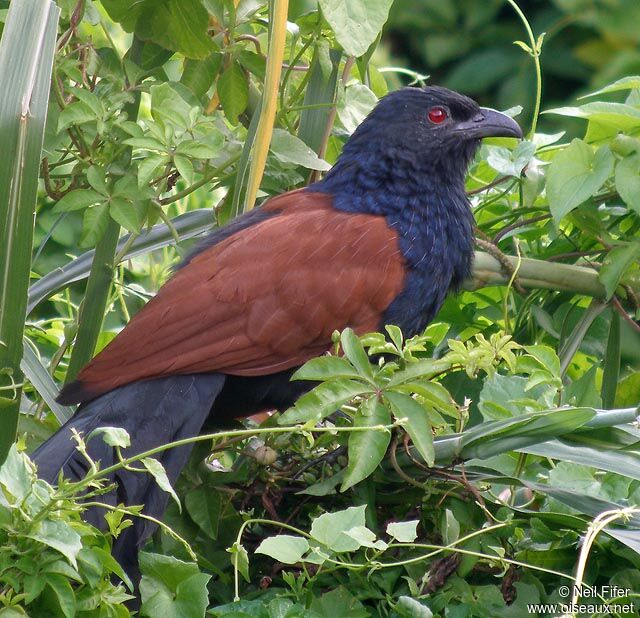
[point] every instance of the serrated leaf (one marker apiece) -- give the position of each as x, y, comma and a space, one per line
148, 168
146, 143
94, 224
78, 199
95, 176
325, 368
184, 167
75, 114
199, 149
125, 213
322, 401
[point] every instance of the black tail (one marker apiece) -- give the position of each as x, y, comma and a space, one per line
153, 412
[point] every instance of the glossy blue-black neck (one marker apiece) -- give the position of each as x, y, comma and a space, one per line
421, 194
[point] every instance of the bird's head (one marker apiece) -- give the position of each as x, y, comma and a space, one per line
431, 130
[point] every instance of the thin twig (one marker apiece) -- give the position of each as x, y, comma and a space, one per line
617, 305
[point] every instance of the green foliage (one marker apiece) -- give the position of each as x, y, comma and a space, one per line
464, 464
52, 563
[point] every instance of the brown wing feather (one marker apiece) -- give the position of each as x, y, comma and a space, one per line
263, 300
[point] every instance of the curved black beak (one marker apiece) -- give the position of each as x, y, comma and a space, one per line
489, 123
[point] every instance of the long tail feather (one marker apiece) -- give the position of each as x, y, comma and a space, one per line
153, 412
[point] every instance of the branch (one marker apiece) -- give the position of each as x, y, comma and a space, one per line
536, 274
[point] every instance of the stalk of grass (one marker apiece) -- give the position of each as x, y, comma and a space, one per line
275, 57
26, 59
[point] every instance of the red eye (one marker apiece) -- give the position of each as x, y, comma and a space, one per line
437, 115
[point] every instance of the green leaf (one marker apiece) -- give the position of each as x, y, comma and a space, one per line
156, 469
367, 448
204, 507
75, 114
172, 588
354, 351
233, 91
356, 23
605, 119
631, 82
63, 592
291, 149
60, 536
96, 178
354, 105
366, 537
94, 224
417, 423
506, 396
125, 213
199, 75
178, 25
146, 143
325, 368
78, 199
184, 167
574, 175
408, 607
240, 559
323, 400
627, 392
200, 149
628, 181
546, 356
15, 475
284, 548
168, 108
148, 167
403, 531
329, 529
113, 436
616, 264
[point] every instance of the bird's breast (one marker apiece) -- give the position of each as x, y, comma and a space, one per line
437, 244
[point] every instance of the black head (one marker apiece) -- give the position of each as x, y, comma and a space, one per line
436, 115
433, 130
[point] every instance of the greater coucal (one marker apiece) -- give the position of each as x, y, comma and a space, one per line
380, 240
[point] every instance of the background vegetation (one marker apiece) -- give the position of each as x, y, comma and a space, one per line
461, 478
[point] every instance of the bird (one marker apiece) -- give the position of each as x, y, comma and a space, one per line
380, 239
